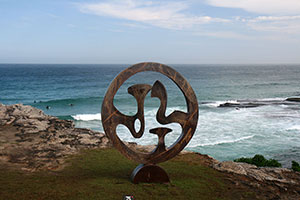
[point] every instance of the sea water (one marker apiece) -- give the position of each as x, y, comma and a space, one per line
266, 125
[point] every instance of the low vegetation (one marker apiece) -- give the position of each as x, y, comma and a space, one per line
105, 174
295, 166
259, 161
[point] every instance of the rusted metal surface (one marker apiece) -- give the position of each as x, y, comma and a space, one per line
112, 117
149, 174
161, 132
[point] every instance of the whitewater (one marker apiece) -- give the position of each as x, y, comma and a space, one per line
242, 108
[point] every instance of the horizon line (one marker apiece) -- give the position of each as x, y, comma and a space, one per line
29, 63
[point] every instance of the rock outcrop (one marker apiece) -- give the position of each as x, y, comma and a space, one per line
257, 103
36, 141
276, 183
274, 174
295, 99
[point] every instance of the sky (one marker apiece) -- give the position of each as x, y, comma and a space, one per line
132, 31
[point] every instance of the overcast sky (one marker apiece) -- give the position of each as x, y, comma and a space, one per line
131, 31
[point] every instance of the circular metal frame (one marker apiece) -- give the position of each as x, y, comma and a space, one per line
111, 117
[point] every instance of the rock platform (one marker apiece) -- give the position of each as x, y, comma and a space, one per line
34, 140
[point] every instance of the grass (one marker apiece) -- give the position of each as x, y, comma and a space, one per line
105, 174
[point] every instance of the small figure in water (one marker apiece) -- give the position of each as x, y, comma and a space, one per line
34, 101
71, 104
47, 107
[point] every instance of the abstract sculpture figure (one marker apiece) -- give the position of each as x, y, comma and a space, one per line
148, 171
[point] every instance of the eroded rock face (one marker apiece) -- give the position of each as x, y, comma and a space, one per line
281, 178
36, 141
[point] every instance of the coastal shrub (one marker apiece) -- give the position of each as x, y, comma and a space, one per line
244, 160
295, 166
259, 161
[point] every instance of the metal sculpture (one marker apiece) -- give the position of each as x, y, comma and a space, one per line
148, 171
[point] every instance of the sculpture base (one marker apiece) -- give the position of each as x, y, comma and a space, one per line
149, 174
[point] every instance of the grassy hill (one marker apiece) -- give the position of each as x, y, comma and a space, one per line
105, 174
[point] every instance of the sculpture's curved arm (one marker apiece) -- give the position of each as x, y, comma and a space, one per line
159, 91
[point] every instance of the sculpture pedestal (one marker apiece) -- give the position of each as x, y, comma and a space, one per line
149, 174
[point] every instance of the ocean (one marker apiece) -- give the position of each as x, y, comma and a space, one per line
242, 108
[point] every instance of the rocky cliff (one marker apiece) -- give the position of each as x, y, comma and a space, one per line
34, 140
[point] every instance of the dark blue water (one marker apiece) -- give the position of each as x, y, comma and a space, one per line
224, 133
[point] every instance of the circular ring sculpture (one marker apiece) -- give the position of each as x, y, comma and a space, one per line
112, 117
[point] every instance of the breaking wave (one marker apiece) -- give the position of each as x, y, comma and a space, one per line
87, 117
223, 142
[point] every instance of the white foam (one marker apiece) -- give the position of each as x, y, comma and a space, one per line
272, 99
169, 110
218, 103
87, 117
284, 106
223, 141
296, 127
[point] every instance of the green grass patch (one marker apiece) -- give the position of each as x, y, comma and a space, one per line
105, 174
295, 166
259, 161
